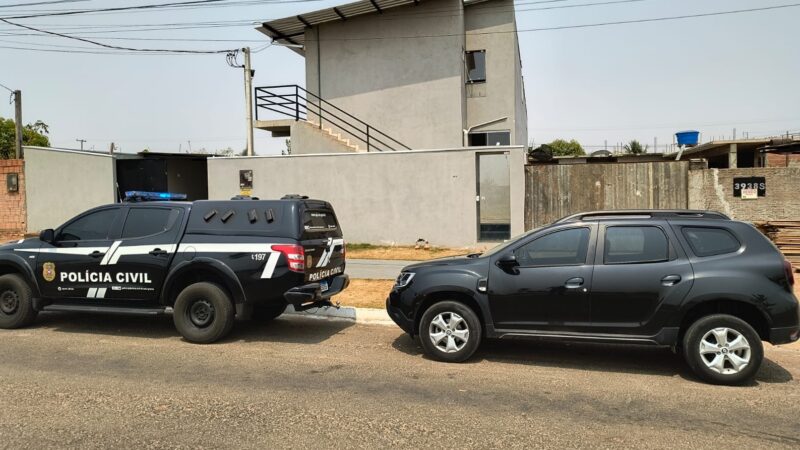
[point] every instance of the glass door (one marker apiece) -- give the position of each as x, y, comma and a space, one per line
494, 197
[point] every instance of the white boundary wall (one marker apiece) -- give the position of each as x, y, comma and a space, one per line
382, 198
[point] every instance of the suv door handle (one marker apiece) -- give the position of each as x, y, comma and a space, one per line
671, 280
158, 252
574, 283
97, 254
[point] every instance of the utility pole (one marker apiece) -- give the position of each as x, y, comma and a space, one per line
248, 95
18, 124
81, 141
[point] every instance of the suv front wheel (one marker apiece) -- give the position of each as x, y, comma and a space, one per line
450, 331
203, 313
723, 349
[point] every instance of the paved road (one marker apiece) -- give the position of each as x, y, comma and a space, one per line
376, 269
106, 381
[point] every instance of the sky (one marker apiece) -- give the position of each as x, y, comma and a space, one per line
600, 85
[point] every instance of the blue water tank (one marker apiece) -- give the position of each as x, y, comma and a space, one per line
688, 138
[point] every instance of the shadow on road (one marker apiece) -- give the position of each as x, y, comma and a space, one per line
284, 329
595, 357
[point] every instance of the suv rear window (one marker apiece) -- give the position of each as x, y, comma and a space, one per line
711, 241
318, 221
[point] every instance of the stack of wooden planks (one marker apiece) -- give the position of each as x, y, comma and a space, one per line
786, 235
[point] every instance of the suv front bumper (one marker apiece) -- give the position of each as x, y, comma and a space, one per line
311, 295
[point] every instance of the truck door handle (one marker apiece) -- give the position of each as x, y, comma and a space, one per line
574, 283
158, 252
96, 254
671, 280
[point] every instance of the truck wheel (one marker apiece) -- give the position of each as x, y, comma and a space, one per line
450, 331
723, 349
266, 313
203, 313
16, 302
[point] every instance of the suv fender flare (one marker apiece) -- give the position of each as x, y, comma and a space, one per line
424, 295
229, 278
20, 265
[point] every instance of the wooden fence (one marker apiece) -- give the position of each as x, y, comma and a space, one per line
554, 191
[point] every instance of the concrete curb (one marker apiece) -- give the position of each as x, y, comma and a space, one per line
368, 316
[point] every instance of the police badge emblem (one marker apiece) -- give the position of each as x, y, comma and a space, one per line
49, 271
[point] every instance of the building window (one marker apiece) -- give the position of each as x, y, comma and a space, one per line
489, 138
476, 66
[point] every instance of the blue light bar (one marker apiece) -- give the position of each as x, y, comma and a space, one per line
153, 196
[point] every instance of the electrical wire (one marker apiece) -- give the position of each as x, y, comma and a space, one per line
7, 88
115, 47
42, 3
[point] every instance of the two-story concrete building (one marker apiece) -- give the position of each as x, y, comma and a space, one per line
399, 74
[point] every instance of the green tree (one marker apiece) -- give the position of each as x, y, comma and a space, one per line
634, 147
562, 147
32, 134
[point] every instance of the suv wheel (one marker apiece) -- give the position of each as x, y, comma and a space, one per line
203, 313
450, 331
16, 302
266, 313
723, 349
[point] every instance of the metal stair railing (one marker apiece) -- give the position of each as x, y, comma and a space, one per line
295, 102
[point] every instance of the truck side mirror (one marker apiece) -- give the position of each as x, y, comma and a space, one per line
508, 263
47, 235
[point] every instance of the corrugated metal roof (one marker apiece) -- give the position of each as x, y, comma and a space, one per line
291, 30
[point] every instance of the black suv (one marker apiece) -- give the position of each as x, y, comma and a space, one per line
209, 261
696, 281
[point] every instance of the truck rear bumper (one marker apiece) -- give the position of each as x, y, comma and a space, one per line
311, 295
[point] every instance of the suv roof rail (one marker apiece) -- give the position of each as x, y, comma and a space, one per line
243, 197
644, 214
294, 197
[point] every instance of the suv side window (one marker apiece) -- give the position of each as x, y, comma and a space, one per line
91, 227
711, 241
635, 245
562, 248
143, 222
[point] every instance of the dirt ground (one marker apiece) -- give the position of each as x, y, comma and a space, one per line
367, 251
365, 294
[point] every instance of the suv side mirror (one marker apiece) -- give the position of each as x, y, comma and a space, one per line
508, 262
47, 235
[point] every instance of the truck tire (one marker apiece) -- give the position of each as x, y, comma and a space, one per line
203, 313
269, 312
450, 331
16, 302
723, 349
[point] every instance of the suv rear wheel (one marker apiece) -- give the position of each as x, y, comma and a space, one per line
723, 349
203, 313
16, 302
450, 331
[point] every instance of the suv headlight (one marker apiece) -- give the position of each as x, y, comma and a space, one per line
404, 279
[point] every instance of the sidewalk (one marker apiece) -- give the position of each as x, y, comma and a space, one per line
375, 269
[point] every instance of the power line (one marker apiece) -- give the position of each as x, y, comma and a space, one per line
7, 88
42, 3
114, 47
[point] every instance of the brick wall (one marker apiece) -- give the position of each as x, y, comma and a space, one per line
776, 160
12, 204
713, 189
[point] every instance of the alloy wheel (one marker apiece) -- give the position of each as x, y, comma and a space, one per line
448, 332
725, 351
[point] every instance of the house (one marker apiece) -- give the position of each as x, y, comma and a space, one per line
398, 75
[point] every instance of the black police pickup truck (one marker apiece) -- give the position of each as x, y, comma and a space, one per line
696, 281
209, 261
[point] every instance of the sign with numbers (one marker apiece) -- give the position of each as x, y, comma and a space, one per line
740, 185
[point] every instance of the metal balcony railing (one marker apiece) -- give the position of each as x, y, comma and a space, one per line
293, 101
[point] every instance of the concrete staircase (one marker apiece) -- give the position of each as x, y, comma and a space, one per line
308, 138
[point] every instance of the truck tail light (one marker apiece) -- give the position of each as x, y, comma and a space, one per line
295, 256
789, 272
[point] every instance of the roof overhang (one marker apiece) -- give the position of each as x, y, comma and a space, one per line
291, 31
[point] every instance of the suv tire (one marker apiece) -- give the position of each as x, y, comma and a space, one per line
715, 346
450, 331
203, 313
16, 302
267, 313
